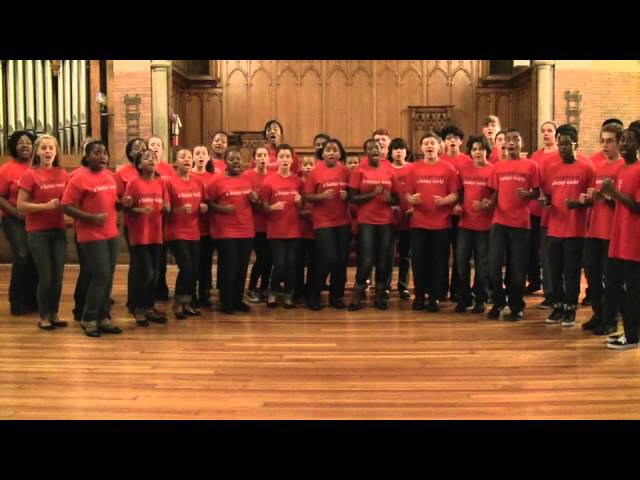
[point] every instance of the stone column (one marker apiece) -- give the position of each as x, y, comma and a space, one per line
160, 90
545, 93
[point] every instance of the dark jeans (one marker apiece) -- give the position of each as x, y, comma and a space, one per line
145, 265
82, 282
332, 248
374, 243
547, 281
476, 243
450, 283
533, 273
428, 259
233, 262
565, 258
23, 285
261, 269
100, 257
285, 253
187, 254
49, 251
205, 266
627, 273
595, 265
401, 243
162, 288
516, 240
306, 262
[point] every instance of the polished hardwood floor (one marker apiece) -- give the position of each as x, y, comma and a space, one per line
297, 364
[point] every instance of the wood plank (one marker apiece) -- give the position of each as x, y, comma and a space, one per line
297, 364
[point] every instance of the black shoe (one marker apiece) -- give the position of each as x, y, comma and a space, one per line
142, 322
227, 310
478, 308
404, 294
461, 308
605, 329
556, 315
418, 304
532, 288
155, 317
191, 312
495, 313
546, 304
587, 302
314, 306
593, 322
433, 306
107, 327
569, 318
337, 303
90, 329
515, 316
242, 307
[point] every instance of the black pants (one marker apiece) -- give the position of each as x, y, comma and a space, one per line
547, 281
516, 240
82, 282
627, 273
261, 269
23, 285
130, 282
450, 284
205, 266
473, 243
332, 248
285, 253
162, 288
306, 264
595, 266
534, 271
233, 262
401, 244
374, 243
428, 259
145, 267
100, 259
187, 254
49, 251
565, 259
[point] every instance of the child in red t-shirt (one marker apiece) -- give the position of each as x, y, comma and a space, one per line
41, 189
187, 196
261, 269
144, 201
308, 257
91, 199
281, 196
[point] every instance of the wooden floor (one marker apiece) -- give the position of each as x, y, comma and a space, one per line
297, 364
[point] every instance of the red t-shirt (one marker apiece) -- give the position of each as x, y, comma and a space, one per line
228, 190
365, 179
601, 214
495, 155
567, 181
203, 219
123, 176
353, 216
400, 217
458, 162
259, 217
219, 166
146, 228
10, 174
475, 183
364, 161
283, 223
165, 170
93, 192
43, 185
430, 180
182, 225
507, 177
540, 157
332, 212
598, 158
624, 242
272, 163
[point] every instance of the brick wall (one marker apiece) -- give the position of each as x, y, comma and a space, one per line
605, 94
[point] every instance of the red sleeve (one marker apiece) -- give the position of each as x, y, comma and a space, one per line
73, 193
410, 184
636, 196
265, 192
454, 182
120, 187
130, 191
309, 184
203, 193
355, 179
493, 180
4, 184
165, 194
27, 181
169, 189
535, 176
395, 186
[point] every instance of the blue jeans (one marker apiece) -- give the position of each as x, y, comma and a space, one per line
476, 243
23, 284
49, 251
516, 241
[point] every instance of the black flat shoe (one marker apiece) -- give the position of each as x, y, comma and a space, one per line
45, 326
192, 312
242, 307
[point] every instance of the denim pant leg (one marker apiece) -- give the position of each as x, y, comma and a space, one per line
497, 249
463, 254
519, 247
22, 290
